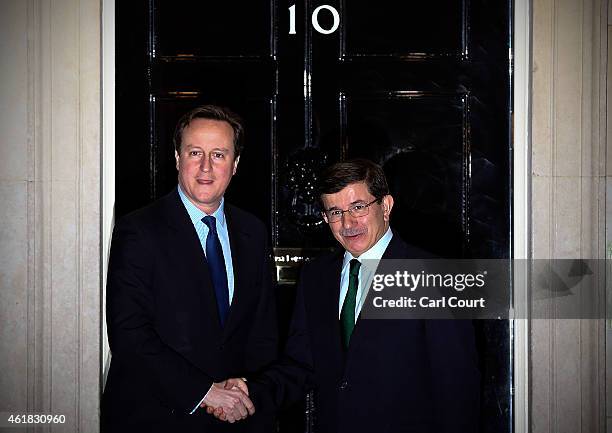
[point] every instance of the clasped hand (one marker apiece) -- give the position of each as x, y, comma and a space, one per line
229, 400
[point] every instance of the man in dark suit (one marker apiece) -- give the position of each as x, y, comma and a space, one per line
189, 295
369, 375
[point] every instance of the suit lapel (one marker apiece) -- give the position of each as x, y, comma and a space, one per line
239, 244
329, 294
395, 249
186, 244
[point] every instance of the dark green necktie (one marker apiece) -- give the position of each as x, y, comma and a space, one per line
347, 315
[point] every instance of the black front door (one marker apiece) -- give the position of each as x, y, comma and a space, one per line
423, 88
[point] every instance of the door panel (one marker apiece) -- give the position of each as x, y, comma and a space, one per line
394, 29
212, 29
423, 143
423, 88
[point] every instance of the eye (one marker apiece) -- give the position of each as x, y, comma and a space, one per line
195, 153
359, 207
334, 212
219, 155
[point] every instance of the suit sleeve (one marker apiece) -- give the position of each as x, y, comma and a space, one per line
455, 376
263, 338
131, 322
286, 381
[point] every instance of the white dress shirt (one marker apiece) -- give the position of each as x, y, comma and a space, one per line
366, 271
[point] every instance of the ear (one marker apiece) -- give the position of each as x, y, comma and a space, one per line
176, 156
387, 203
236, 164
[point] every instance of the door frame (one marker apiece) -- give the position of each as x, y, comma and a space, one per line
521, 206
108, 164
521, 187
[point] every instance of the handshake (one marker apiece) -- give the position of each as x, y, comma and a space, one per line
229, 400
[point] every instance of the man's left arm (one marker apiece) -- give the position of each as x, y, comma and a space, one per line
455, 375
263, 339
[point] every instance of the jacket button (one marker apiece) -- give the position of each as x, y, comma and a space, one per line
343, 384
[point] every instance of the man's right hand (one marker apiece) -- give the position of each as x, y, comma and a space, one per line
228, 402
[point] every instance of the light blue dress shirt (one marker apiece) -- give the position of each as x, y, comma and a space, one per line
196, 216
366, 271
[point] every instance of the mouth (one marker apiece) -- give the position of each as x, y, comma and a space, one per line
204, 181
353, 235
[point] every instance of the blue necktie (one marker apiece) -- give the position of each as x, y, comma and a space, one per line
216, 265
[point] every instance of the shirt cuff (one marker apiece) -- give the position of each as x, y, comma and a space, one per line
201, 401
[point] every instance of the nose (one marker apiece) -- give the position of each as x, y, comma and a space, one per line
348, 220
205, 164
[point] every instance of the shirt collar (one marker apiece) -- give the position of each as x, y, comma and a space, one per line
196, 215
374, 253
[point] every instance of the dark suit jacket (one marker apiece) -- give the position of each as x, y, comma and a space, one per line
397, 375
167, 344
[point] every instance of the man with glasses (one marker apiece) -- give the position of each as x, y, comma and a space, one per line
369, 375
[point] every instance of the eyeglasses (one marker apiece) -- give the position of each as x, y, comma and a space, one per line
356, 211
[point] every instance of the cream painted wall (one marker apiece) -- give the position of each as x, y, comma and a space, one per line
609, 223
50, 193
569, 61
15, 192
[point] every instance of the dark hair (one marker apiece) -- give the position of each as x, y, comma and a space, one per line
338, 176
212, 112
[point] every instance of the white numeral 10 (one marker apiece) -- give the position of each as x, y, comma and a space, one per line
315, 20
